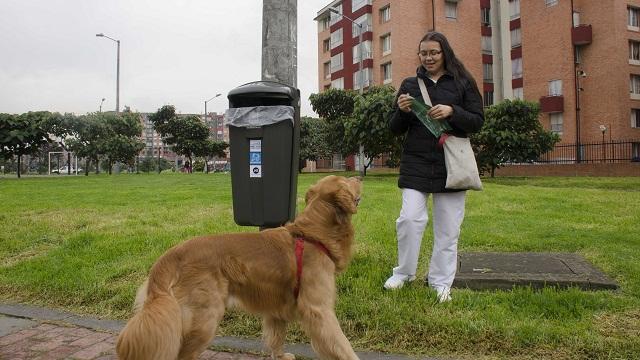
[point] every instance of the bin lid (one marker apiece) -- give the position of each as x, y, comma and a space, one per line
257, 116
262, 88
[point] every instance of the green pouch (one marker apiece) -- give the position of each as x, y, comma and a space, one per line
436, 127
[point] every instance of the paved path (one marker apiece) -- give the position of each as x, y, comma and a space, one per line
30, 333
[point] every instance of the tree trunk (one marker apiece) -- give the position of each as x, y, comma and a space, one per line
19, 166
87, 163
97, 165
493, 172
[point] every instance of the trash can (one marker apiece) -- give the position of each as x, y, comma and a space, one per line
264, 136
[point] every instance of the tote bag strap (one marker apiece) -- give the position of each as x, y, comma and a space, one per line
425, 93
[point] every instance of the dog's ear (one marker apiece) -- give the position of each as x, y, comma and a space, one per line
345, 199
311, 193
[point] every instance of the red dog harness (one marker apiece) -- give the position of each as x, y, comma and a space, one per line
299, 251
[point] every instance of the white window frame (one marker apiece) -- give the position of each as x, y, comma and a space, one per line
633, 18
487, 98
518, 93
634, 86
487, 44
336, 38
387, 72
385, 44
451, 10
327, 69
550, 3
337, 83
357, 4
356, 78
635, 118
555, 87
324, 23
365, 21
336, 17
516, 37
485, 16
385, 14
634, 52
326, 45
514, 9
367, 51
487, 72
556, 123
337, 62
516, 68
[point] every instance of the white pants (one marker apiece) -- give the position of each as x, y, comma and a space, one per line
448, 213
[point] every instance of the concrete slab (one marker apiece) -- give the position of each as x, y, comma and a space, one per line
485, 270
9, 325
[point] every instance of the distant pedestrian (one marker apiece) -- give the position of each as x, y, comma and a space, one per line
456, 100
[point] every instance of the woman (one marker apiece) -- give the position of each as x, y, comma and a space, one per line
456, 100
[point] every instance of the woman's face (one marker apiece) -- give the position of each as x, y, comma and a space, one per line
431, 56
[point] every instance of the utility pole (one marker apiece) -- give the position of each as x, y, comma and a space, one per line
279, 41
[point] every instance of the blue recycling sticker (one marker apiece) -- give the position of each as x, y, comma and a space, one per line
255, 158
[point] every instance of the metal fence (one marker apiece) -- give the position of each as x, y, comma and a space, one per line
616, 151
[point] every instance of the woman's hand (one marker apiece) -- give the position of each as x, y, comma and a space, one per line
440, 112
404, 102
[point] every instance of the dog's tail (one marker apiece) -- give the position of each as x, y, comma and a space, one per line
155, 331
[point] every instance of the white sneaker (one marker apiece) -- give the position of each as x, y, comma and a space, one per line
444, 294
396, 281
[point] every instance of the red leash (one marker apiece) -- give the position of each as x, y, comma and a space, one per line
299, 252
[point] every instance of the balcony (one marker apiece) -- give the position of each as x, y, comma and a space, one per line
581, 35
552, 104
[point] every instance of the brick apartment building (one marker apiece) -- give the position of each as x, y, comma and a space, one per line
580, 59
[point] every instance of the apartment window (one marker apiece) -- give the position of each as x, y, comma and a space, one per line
488, 98
386, 44
451, 10
516, 39
357, 4
385, 14
386, 73
327, 70
514, 9
486, 44
336, 62
487, 72
516, 68
367, 78
485, 18
326, 45
366, 53
555, 122
336, 17
336, 38
635, 150
324, 23
337, 83
551, 2
635, 118
555, 88
634, 86
632, 18
634, 52
365, 21
518, 93
576, 18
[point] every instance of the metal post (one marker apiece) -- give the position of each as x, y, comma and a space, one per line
118, 81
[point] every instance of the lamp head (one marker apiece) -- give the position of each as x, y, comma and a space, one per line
100, 35
582, 74
603, 128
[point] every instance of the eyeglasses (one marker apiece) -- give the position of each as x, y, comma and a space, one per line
430, 53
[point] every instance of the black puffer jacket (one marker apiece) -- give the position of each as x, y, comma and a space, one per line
422, 165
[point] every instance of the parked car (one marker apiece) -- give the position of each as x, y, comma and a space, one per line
64, 170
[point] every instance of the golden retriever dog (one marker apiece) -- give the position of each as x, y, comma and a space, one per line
283, 274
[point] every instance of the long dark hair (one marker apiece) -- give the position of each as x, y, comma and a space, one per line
461, 75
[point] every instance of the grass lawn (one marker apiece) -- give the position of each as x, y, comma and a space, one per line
84, 244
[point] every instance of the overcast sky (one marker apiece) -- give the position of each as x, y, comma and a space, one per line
178, 52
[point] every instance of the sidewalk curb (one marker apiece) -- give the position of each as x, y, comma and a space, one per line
233, 344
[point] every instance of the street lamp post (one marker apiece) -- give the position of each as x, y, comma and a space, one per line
603, 129
101, 104
117, 72
360, 76
206, 163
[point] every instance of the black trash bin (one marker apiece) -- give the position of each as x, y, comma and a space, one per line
264, 135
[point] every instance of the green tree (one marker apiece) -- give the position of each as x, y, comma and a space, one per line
335, 106
188, 135
122, 142
511, 132
370, 125
89, 133
22, 134
314, 140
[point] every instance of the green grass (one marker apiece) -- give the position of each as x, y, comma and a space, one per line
84, 244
